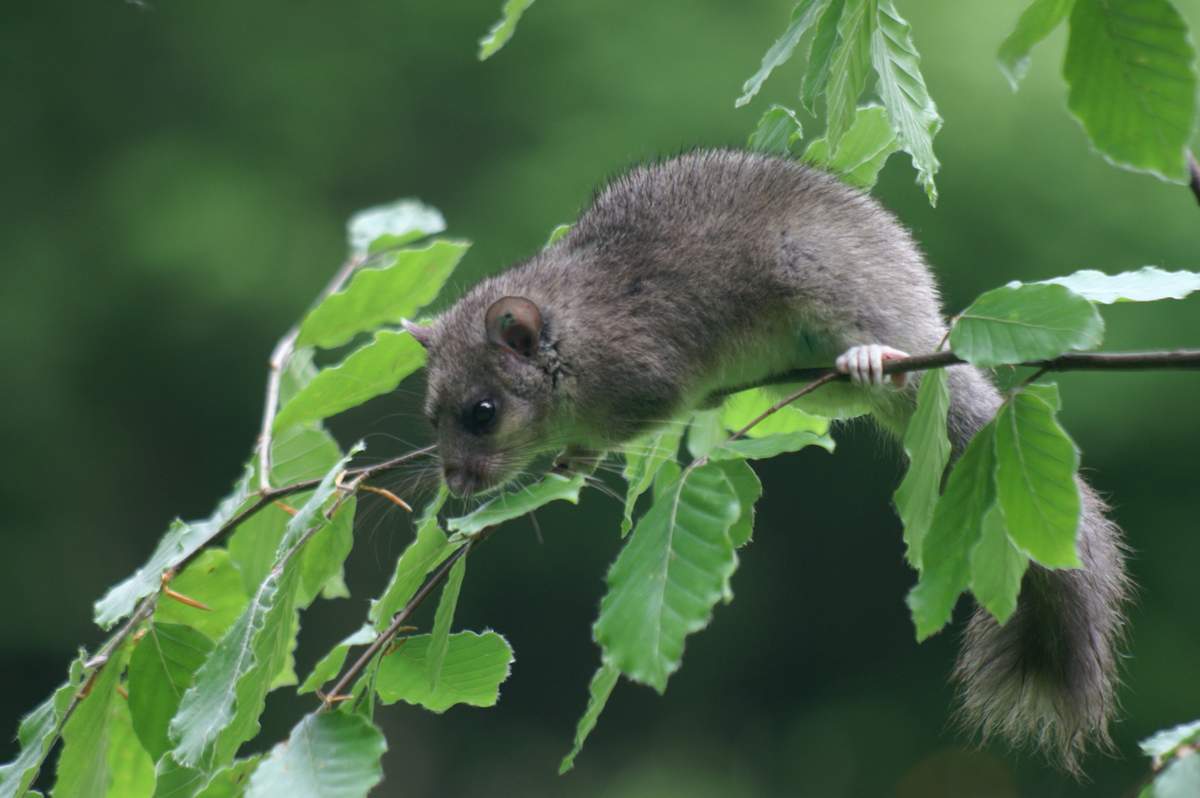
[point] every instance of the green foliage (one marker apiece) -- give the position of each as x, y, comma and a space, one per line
408, 281
848, 65
1147, 284
1132, 73
644, 458
1020, 323
674, 569
197, 680
504, 28
1035, 469
373, 369
439, 638
816, 77
955, 530
473, 668
327, 755
776, 132
510, 504
1176, 764
83, 764
331, 664
997, 567
928, 451
803, 16
178, 544
901, 86
426, 552
162, 668
1036, 23
388, 226
599, 690
862, 152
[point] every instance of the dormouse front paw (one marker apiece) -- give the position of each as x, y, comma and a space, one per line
864, 364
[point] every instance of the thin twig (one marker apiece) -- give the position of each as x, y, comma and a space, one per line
1072, 361
279, 360
398, 621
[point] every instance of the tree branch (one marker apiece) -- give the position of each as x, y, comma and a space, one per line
1072, 361
279, 359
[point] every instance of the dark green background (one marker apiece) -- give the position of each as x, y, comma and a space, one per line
175, 181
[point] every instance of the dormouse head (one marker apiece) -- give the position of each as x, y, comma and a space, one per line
490, 393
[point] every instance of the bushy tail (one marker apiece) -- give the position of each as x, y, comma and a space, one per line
1049, 675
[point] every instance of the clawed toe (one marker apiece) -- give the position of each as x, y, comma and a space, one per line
864, 365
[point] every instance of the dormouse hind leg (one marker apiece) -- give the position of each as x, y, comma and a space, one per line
864, 364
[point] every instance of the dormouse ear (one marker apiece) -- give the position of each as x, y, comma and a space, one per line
515, 323
424, 335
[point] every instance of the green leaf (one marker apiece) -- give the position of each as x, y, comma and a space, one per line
816, 76
439, 638
913, 113
504, 28
1147, 284
176, 546
956, 529
704, 432
557, 234
674, 569
330, 665
411, 279
643, 459
327, 755
775, 131
864, 149
1180, 779
220, 710
213, 580
1036, 464
83, 762
130, 768
297, 453
928, 451
472, 671
161, 670
599, 690
1015, 324
369, 371
668, 475
770, 446
231, 781
848, 68
743, 407
392, 225
997, 567
37, 734
1163, 744
748, 489
509, 505
1036, 23
426, 552
1132, 76
803, 16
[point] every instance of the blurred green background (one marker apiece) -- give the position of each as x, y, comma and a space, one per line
176, 178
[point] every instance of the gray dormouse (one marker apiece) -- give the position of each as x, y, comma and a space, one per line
717, 269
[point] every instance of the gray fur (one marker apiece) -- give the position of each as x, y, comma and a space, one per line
719, 268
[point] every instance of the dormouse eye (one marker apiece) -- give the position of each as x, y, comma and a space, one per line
481, 416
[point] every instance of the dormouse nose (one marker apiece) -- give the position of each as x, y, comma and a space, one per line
458, 480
